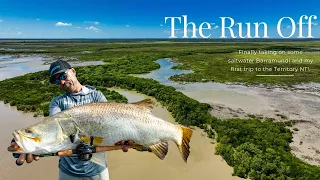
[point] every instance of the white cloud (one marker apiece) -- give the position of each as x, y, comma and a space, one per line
38, 19
78, 27
191, 30
92, 22
10, 33
180, 31
306, 23
127, 25
92, 28
288, 27
1, 20
216, 27
63, 24
175, 31
161, 24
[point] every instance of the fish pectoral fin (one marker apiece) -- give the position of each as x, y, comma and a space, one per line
160, 149
73, 138
146, 103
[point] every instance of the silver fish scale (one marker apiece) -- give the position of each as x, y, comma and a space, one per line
116, 122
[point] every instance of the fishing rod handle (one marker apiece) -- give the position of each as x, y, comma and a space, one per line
111, 148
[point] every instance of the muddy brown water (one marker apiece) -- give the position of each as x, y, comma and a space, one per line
12, 119
202, 162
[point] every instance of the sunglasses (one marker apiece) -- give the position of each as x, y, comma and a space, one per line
61, 77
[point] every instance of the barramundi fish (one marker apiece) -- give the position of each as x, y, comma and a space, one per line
108, 123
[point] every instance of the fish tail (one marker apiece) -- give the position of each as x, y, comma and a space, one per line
183, 143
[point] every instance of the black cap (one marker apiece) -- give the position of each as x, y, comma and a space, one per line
57, 67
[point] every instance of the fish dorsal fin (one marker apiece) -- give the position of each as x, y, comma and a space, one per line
160, 149
146, 103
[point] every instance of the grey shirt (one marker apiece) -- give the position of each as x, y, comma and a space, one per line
72, 165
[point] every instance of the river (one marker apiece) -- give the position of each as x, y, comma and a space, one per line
11, 66
202, 163
300, 102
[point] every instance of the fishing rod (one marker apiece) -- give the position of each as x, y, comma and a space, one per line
83, 151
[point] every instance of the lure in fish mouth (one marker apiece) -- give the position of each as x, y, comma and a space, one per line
111, 123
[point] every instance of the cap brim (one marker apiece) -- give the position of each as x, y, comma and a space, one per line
52, 76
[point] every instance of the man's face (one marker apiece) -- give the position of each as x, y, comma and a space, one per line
66, 80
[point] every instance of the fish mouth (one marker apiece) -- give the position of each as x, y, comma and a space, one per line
17, 136
22, 140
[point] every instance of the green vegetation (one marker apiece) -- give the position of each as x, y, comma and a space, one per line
254, 148
33, 93
208, 60
216, 67
260, 150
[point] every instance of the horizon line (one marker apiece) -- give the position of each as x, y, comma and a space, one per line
275, 75
173, 39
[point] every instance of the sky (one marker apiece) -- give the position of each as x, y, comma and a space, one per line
146, 19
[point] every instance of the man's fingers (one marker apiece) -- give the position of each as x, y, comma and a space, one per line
36, 158
130, 142
14, 145
21, 159
29, 158
120, 142
125, 149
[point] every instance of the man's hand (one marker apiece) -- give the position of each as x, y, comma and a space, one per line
125, 148
21, 158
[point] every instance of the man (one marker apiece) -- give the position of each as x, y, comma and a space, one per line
71, 168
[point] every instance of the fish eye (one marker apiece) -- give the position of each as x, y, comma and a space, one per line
28, 131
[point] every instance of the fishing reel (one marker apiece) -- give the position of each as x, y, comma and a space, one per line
83, 151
